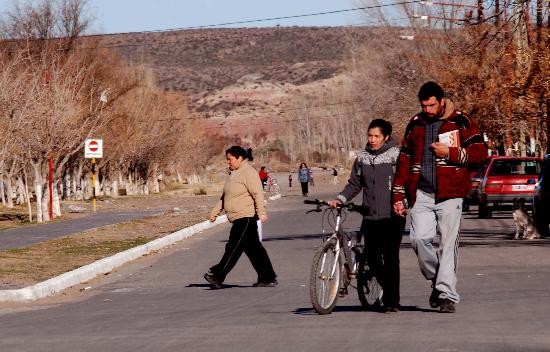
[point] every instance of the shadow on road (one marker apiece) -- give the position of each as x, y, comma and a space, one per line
208, 286
358, 308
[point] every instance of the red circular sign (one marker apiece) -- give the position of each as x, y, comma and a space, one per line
93, 146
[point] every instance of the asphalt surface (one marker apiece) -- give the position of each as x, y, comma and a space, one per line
162, 303
28, 235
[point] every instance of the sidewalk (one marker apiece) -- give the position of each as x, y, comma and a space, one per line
32, 234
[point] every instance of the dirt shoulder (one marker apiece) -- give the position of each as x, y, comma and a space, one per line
21, 267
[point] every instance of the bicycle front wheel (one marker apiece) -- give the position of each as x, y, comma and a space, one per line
325, 278
369, 288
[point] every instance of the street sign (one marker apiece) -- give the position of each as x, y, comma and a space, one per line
93, 148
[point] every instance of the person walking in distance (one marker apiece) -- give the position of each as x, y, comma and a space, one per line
439, 145
334, 176
289, 180
372, 172
264, 177
303, 177
243, 202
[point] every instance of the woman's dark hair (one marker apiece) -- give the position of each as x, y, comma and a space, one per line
430, 89
305, 165
383, 125
238, 151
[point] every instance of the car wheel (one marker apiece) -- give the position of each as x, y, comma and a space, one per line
484, 211
465, 205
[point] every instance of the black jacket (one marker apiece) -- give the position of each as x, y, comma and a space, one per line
373, 172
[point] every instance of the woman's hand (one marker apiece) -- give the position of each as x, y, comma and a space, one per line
212, 218
263, 218
334, 203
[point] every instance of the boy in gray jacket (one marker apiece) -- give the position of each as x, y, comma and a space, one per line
372, 172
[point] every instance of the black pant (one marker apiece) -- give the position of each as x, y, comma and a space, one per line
244, 237
304, 187
382, 242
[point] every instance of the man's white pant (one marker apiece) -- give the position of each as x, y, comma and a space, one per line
429, 219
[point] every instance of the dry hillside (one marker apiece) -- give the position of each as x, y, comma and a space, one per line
242, 73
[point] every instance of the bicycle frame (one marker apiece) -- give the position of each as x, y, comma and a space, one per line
328, 280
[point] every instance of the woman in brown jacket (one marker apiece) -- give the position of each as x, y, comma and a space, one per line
243, 202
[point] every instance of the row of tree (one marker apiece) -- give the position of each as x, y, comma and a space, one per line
491, 57
56, 91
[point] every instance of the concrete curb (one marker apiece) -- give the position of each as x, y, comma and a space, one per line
102, 266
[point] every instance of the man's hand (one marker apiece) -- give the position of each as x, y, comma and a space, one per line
263, 218
334, 203
212, 218
399, 208
441, 150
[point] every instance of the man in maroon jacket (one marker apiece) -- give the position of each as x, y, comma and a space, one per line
440, 144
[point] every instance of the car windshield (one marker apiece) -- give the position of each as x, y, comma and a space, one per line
515, 167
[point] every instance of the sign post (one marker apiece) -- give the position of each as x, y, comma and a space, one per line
93, 148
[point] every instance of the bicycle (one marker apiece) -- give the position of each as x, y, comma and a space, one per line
273, 188
339, 262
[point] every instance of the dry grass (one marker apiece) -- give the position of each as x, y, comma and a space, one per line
20, 267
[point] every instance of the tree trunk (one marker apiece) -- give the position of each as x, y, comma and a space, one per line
37, 167
155, 187
29, 207
56, 203
9, 193
2, 193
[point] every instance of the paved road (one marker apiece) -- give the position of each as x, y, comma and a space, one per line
25, 236
161, 302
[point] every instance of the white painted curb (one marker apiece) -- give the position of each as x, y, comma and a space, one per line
102, 266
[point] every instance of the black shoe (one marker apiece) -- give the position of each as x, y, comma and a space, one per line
342, 292
447, 306
435, 301
214, 281
271, 283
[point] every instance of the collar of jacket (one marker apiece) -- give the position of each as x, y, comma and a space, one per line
390, 143
448, 112
240, 166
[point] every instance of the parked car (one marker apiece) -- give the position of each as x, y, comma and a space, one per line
476, 175
541, 198
505, 179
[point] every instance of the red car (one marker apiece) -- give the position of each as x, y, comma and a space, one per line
505, 179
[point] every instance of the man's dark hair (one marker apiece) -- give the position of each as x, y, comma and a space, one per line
430, 89
385, 126
238, 151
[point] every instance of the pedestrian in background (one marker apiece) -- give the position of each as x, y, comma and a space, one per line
303, 177
440, 144
243, 202
334, 176
289, 180
311, 181
372, 173
264, 177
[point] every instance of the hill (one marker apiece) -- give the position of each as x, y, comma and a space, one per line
245, 72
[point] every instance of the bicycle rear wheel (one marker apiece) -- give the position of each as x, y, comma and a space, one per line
369, 288
275, 189
325, 278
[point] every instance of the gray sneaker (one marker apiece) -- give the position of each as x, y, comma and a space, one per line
447, 306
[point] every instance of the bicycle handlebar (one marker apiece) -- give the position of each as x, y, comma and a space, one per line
361, 209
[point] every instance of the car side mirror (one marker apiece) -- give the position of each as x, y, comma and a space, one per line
531, 181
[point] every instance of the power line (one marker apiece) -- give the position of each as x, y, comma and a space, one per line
269, 19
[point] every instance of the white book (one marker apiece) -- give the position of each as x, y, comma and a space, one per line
450, 138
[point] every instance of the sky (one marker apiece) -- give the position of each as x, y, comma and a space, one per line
113, 16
